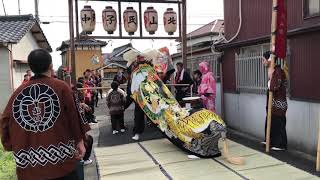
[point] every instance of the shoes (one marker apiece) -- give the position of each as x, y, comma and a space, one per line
264, 143
115, 132
136, 137
87, 162
122, 130
277, 149
193, 157
94, 121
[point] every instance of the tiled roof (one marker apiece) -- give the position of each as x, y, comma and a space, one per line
213, 27
82, 42
14, 28
120, 49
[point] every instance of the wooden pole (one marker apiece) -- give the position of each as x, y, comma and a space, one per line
77, 18
271, 68
318, 151
124, 86
184, 33
120, 18
72, 45
140, 19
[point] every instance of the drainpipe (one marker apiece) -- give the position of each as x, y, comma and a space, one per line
220, 54
221, 88
9, 48
222, 39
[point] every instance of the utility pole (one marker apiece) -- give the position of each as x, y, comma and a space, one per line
19, 7
36, 9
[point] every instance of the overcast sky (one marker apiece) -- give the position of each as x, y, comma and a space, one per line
199, 13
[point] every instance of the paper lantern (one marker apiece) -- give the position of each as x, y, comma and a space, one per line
151, 20
130, 20
109, 19
170, 21
88, 19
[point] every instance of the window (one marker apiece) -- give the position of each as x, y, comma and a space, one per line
64, 60
311, 8
109, 75
251, 75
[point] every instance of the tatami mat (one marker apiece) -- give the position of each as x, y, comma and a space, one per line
160, 159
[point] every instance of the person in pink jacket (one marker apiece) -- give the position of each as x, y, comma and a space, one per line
207, 88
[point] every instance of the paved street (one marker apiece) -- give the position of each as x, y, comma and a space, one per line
119, 157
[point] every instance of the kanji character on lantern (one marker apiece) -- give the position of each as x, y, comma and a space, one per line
88, 19
130, 20
170, 21
151, 20
109, 19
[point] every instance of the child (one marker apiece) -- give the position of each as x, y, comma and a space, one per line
115, 103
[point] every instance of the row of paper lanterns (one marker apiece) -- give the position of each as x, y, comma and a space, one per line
130, 20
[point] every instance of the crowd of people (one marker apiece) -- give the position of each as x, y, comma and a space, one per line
88, 96
57, 116
201, 84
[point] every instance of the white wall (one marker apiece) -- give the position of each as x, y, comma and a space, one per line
21, 50
247, 112
5, 83
19, 71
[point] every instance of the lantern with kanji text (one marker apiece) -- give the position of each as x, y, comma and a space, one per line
151, 20
130, 20
170, 21
88, 19
109, 19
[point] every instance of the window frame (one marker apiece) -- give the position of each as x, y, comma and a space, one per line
244, 59
306, 14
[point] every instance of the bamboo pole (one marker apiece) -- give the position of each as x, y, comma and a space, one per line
272, 48
123, 86
318, 152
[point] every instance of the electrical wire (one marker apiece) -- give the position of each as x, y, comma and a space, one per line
239, 27
222, 38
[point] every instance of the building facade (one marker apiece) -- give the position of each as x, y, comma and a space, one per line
245, 78
19, 35
88, 55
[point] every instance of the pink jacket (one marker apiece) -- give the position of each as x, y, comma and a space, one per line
208, 83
